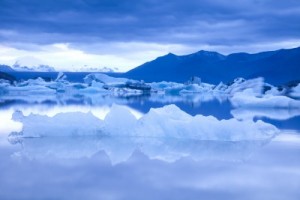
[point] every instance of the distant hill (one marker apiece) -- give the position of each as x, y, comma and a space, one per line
6, 68
277, 67
39, 68
19, 68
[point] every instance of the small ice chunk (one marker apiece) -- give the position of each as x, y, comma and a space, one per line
296, 91
248, 99
103, 78
244, 113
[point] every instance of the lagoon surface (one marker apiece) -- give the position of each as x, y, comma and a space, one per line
64, 163
149, 100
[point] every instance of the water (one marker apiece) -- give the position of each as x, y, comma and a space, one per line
126, 167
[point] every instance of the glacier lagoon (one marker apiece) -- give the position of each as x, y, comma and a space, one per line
61, 140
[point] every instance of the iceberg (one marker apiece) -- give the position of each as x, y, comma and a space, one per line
105, 79
244, 113
122, 85
62, 124
240, 84
97, 87
295, 92
61, 91
257, 94
170, 121
203, 92
172, 88
166, 122
43, 90
248, 99
166, 133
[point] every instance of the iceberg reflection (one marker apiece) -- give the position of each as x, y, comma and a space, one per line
120, 149
166, 133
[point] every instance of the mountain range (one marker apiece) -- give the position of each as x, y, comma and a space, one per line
277, 67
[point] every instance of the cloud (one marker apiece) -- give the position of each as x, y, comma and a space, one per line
72, 57
190, 24
149, 20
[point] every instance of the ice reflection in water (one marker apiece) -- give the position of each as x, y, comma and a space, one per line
271, 172
105, 167
120, 149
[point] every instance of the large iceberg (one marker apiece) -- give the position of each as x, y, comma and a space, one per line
165, 133
166, 122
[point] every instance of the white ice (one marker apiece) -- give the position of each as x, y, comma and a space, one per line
165, 122
241, 92
248, 99
296, 91
245, 113
240, 85
105, 79
165, 133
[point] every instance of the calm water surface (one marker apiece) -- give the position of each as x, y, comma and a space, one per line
105, 167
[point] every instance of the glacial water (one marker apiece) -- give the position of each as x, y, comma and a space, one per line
64, 163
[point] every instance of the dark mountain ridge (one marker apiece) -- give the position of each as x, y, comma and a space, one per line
277, 67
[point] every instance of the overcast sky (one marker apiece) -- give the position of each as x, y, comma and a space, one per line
72, 34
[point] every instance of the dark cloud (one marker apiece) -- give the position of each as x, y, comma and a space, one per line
218, 22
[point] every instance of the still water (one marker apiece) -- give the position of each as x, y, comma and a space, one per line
101, 166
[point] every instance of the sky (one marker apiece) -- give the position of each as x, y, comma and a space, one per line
74, 35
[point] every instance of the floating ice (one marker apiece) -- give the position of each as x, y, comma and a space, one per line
62, 124
296, 91
61, 91
275, 91
116, 86
271, 113
170, 121
119, 121
172, 88
165, 133
239, 85
241, 92
165, 122
105, 79
248, 99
